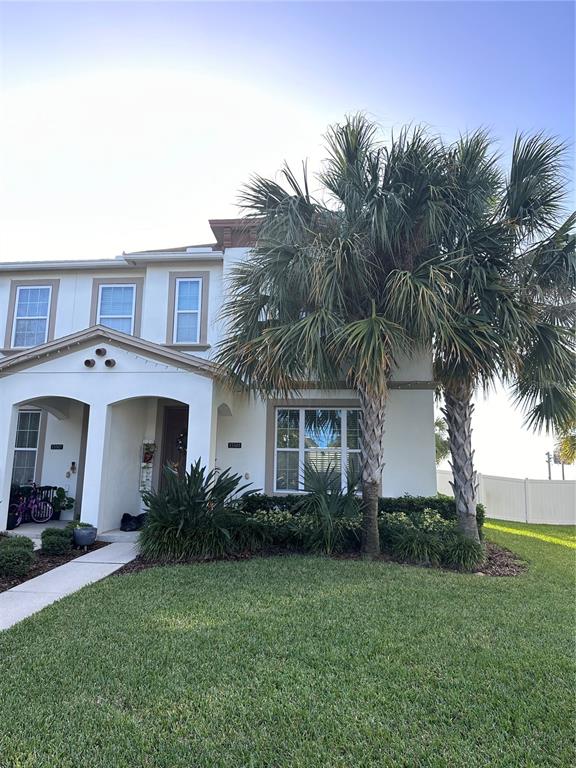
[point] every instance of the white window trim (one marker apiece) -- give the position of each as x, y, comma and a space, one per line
301, 449
35, 450
117, 317
177, 312
39, 317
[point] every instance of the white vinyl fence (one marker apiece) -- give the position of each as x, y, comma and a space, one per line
526, 501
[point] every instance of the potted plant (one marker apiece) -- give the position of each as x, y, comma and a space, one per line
84, 534
60, 502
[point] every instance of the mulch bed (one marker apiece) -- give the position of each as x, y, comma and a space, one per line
499, 561
44, 563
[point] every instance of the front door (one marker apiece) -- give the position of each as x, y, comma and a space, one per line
174, 438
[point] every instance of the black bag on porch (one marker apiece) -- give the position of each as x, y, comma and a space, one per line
132, 522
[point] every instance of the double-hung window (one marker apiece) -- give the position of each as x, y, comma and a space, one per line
187, 310
26, 449
320, 438
31, 315
116, 306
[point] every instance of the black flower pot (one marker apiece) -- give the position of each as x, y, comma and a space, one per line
84, 537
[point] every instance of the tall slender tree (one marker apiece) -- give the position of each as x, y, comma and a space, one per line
412, 246
309, 304
511, 286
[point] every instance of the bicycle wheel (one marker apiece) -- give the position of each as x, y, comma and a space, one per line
15, 516
41, 511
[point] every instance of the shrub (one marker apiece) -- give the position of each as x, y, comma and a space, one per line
17, 541
76, 524
56, 541
194, 516
462, 553
261, 502
327, 518
15, 560
426, 537
418, 545
318, 535
445, 506
61, 501
390, 526
280, 526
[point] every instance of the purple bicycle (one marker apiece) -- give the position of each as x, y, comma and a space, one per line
29, 506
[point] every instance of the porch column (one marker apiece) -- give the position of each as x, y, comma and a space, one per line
200, 426
8, 423
95, 463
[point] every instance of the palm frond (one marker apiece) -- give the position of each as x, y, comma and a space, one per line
368, 348
536, 186
545, 383
550, 265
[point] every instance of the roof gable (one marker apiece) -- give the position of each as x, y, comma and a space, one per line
99, 334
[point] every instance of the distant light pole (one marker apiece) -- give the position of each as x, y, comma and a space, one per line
549, 462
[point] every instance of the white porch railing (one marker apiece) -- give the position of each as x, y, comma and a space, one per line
526, 501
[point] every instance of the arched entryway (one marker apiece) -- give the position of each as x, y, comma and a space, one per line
143, 434
101, 417
48, 447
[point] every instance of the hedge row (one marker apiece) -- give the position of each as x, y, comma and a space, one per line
445, 506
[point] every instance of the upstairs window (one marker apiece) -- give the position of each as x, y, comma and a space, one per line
116, 305
31, 315
187, 311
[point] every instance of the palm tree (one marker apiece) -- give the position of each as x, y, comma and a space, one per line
311, 301
415, 246
513, 276
566, 445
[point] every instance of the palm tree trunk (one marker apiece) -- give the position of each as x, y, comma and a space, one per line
372, 439
458, 413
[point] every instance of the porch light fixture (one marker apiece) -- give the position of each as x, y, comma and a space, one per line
90, 363
110, 363
101, 351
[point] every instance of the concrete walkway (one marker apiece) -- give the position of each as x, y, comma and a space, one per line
22, 601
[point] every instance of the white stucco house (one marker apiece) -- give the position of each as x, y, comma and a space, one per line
106, 376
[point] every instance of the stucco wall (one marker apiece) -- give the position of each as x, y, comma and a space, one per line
246, 425
56, 463
74, 296
121, 477
409, 449
156, 293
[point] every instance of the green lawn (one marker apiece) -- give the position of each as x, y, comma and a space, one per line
301, 662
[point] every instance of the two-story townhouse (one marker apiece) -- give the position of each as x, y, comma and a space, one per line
106, 376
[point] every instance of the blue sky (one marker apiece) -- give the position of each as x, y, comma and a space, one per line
128, 125
455, 65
